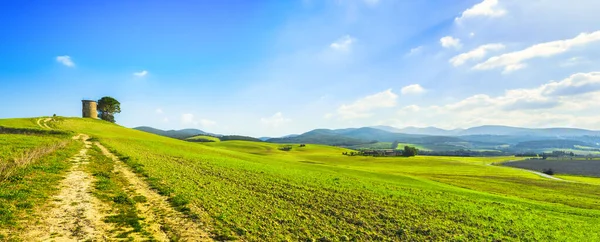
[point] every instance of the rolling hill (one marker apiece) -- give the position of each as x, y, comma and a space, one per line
252, 191
177, 134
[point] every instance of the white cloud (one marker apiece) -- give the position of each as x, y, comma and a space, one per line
207, 123
487, 8
574, 61
65, 60
158, 111
576, 84
450, 42
572, 101
362, 108
472, 34
343, 44
411, 108
415, 50
275, 121
141, 73
165, 120
188, 118
412, 89
514, 60
476, 54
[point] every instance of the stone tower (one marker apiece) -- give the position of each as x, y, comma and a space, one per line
89, 109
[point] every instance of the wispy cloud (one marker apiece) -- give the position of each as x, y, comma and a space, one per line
159, 111
188, 119
343, 44
487, 8
141, 73
275, 121
362, 107
65, 60
415, 51
476, 54
412, 89
514, 60
450, 42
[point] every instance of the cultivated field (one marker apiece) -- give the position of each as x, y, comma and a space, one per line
568, 167
240, 190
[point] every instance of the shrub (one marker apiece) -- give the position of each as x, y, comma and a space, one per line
548, 171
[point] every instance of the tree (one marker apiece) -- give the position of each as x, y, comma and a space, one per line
410, 151
107, 107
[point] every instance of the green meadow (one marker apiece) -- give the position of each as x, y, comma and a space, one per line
203, 138
241, 190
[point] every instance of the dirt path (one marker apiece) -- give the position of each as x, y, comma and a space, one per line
43, 123
160, 218
75, 215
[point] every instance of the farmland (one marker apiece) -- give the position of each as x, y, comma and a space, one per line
253, 191
579, 167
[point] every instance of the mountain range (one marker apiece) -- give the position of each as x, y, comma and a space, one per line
482, 138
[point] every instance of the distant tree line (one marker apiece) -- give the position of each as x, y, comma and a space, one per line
463, 153
407, 152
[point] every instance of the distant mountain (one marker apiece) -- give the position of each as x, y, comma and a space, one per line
287, 136
358, 136
516, 131
177, 134
428, 131
492, 130
321, 136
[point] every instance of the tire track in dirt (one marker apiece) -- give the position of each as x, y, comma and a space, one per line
73, 214
43, 123
164, 222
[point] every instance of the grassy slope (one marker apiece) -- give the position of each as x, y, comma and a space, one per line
31, 184
253, 191
30, 123
204, 138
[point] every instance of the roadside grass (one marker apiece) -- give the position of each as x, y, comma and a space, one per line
109, 187
252, 191
17, 151
30, 184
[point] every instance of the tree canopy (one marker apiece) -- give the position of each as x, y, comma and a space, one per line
410, 151
107, 107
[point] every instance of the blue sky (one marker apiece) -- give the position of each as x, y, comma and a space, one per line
270, 68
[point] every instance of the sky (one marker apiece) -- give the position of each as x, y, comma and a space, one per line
272, 68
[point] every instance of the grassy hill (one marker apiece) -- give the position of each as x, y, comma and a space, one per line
203, 138
177, 134
253, 191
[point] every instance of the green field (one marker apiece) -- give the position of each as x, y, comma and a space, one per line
253, 191
203, 138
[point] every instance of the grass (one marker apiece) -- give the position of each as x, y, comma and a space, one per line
203, 138
31, 184
253, 191
583, 179
109, 187
27, 123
